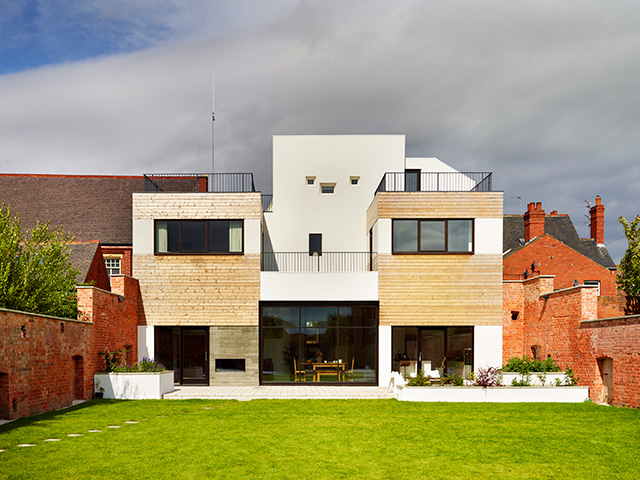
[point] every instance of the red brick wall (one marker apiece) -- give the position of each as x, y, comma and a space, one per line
98, 272
126, 265
39, 368
566, 327
55, 361
619, 339
556, 258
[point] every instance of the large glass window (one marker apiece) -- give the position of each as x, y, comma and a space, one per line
447, 350
199, 236
432, 236
319, 343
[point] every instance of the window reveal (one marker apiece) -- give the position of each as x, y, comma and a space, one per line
433, 236
199, 236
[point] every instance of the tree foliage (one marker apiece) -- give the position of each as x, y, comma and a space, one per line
35, 273
629, 268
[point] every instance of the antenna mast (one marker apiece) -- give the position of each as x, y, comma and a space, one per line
213, 118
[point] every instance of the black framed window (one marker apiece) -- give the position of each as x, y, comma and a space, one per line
433, 236
199, 236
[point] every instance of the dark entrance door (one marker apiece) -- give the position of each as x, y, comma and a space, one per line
195, 356
185, 350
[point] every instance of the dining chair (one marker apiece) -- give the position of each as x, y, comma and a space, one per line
296, 372
344, 374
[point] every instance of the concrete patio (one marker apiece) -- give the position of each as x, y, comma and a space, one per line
279, 392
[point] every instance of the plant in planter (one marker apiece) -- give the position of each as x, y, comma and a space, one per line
419, 380
488, 377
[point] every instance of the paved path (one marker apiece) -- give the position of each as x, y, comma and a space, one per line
279, 392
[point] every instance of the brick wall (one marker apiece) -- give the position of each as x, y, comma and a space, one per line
556, 258
126, 265
98, 272
47, 362
565, 324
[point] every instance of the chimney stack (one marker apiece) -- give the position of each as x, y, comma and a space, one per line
533, 221
597, 221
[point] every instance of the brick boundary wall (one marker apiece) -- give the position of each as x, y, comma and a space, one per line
48, 362
565, 324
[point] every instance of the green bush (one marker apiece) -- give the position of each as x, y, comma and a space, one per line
526, 365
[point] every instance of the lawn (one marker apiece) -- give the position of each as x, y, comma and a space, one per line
318, 439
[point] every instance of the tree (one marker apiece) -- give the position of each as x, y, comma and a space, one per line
35, 273
629, 268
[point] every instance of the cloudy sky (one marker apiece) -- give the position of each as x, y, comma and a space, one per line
545, 94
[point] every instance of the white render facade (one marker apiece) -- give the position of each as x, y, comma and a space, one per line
364, 262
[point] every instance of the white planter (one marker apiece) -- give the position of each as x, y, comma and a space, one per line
493, 394
135, 385
534, 377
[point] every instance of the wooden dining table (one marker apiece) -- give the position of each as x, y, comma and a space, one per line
325, 368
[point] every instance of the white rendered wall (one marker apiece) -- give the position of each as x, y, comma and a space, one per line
427, 164
143, 236
146, 342
488, 235
300, 209
384, 355
487, 346
344, 286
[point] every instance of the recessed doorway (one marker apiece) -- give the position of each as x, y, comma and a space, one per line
185, 350
606, 373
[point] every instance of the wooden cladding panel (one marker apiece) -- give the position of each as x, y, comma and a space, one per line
199, 289
435, 205
196, 205
440, 289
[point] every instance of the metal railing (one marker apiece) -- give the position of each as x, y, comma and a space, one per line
199, 182
327, 262
267, 203
435, 182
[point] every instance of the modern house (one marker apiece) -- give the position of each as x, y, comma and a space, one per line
362, 262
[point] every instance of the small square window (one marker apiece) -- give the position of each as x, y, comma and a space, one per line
327, 188
355, 180
311, 180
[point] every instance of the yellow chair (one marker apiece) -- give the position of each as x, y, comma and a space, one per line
296, 372
344, 374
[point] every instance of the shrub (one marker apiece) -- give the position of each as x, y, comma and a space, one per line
419, 381
527, 365
488, 377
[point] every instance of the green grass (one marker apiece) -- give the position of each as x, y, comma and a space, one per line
318, 439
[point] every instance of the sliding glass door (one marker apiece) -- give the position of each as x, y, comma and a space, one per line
319, 343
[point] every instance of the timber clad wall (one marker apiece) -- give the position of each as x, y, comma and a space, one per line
194, 206
440, 289
434, 205
199, 289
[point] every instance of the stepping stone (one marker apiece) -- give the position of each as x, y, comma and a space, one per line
95, 431
75, 435
132, 423
26, 445
2, 451
208, 408
52, 439
114, 426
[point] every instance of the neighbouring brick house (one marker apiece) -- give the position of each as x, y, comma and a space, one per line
88, 207
540, 320
540, 244
48, 362
86, 257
